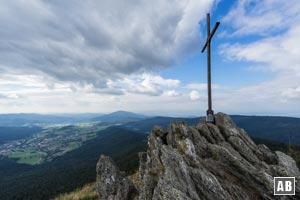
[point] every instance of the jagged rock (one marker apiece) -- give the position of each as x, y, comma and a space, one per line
111, 183
210, 161
287, 163
207, 161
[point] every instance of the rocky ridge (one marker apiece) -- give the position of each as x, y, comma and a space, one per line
207, 161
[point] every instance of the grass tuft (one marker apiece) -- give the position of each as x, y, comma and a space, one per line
87, 192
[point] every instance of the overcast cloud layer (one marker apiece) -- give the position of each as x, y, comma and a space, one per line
92, 42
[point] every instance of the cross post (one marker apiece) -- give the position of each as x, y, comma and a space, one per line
207, 45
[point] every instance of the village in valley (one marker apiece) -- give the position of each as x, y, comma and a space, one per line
50, 143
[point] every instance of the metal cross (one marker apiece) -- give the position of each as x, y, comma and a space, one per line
209, 112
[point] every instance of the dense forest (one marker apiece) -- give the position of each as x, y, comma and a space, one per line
16, 133
284, 129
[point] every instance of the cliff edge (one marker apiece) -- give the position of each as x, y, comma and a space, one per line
207, 161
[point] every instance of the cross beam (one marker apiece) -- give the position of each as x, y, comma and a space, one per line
207, 45
210, 36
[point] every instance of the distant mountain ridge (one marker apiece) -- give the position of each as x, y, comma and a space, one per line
120, 116
29, 119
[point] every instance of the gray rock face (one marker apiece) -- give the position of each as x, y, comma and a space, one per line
210, 161
111, 183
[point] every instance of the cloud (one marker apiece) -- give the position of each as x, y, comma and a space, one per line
172, 93
147, 84
274, 49
262, 17
293, 93
91, 42
195, 95
29, 86
280, 52
2, 96
20, 93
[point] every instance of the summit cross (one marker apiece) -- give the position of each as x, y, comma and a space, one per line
209, 112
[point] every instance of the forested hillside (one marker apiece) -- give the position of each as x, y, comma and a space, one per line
74, 169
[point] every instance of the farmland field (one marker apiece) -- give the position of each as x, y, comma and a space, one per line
49, 143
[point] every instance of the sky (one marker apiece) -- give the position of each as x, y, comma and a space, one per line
100, 56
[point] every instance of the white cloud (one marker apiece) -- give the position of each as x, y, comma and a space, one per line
195, 95
26, 90
36, 96
172, 93
262, 17
161, 81
147, 84
280, 52
292, 93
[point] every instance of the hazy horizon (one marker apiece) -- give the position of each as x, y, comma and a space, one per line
153, 114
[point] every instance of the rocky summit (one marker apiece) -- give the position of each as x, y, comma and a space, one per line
208, 161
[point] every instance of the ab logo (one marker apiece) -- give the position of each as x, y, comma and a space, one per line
284, 185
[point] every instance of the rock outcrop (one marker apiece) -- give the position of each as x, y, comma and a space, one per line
207, 161
112, 184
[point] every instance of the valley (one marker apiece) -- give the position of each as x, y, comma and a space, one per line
50, 143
